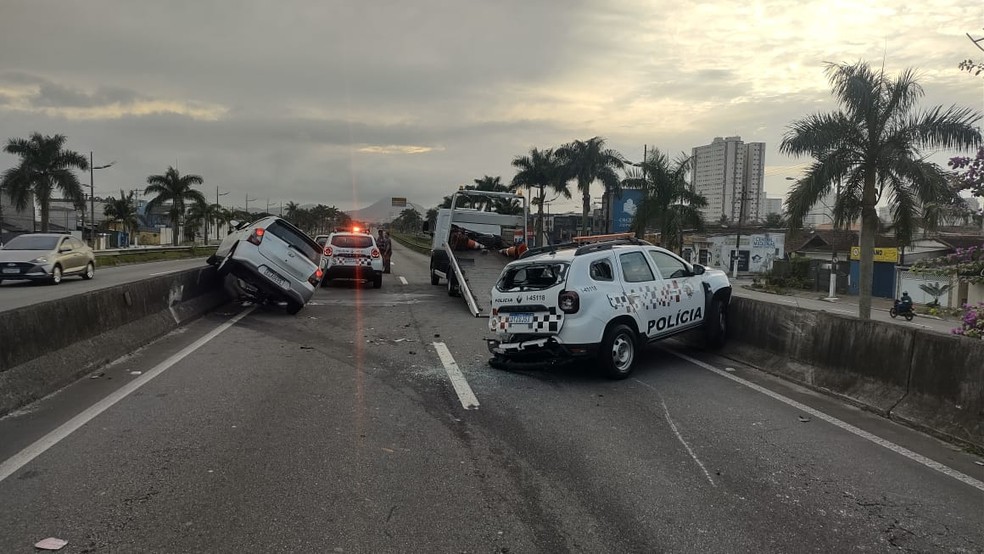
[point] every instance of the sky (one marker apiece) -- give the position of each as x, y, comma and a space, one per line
347, 102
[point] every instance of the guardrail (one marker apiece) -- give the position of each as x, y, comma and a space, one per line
420, 244
119, 256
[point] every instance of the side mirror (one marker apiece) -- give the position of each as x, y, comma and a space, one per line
64, 249
699, 269
234, 223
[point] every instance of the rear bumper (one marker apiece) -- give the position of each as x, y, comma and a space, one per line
351, 272
545, 350
248, 267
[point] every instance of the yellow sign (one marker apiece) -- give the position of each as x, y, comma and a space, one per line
890, 255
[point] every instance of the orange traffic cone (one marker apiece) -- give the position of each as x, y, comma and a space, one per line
514, 251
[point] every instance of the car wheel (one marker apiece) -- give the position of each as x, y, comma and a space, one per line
435, 280
90, 271
293, 307
618, 352
56, 275
716, 324
453, 286
377, 281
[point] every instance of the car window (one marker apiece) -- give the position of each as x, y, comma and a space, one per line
535, 276
668, 266
352, 241
635, 269
28, 242
601, 270
76, 243
295, 238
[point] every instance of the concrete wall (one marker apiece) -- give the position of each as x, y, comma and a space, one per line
928, 380
46, 346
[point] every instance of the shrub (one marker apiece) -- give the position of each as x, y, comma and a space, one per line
972, 322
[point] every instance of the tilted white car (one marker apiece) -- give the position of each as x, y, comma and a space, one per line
604, 299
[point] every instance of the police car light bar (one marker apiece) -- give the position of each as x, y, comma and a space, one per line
599, 238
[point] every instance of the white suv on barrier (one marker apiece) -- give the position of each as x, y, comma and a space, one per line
606, 299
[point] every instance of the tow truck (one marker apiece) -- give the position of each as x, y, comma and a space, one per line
473, 240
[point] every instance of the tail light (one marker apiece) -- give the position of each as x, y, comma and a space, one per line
375, 253
315, 277
327, 251
257, 236
569, 302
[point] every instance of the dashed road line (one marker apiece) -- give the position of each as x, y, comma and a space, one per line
403, 280
22, 458
458, 381
919, 458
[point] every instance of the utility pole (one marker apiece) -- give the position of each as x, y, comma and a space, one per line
92, 198
741, 216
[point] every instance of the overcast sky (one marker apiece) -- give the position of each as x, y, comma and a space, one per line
344, 103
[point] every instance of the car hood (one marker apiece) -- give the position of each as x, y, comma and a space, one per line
22, 255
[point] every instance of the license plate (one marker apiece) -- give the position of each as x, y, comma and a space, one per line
276, 278
521, 318
11, 270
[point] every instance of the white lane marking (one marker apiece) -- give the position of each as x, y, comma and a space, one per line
465, 394
919, 458
19, 460
403, 280
676, 432
164, 272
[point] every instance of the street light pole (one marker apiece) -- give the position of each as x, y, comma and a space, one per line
92, 199
741, 214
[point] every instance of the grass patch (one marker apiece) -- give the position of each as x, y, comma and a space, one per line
417, 243
104, 260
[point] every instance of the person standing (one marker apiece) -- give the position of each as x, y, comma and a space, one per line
383, 243
389, 252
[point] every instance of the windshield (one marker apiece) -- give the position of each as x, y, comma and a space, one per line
532, 277
351, 241
27, 242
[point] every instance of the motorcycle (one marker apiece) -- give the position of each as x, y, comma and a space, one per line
904, 310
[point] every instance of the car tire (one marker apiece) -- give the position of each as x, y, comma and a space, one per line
716, 324
90, 271
618, 351
377, 281
435, 280
293, 307
453, 286
56, 275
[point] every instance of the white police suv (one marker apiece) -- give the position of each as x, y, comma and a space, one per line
606, 298
352, 255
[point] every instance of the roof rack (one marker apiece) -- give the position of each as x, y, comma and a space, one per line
594, 244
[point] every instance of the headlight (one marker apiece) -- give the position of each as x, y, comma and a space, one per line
40, 260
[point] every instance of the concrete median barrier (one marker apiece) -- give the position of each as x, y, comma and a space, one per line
925, 379
46, 346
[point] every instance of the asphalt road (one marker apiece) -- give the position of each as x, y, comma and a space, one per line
15, 294
848, 306
341, 430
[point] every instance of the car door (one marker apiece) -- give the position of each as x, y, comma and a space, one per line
639, 284
66, 255
79, 259
681, 295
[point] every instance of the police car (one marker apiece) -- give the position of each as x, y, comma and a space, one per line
351, 255
605, 298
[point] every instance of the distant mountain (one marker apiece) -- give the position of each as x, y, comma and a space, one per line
383, 211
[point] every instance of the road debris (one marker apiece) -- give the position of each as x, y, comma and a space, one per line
729, 369
96, 375
804, 419
51, 543
978, 462
136, 373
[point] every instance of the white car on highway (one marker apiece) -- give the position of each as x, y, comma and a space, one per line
606, 299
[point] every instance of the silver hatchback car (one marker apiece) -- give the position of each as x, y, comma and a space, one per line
46, 257
275, 260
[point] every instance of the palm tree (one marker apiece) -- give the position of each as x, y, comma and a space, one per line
540, 170
669, 203
204, 214
291, 210
875, 144
589, 161
177, 189
123, 211
935, 290
44, 166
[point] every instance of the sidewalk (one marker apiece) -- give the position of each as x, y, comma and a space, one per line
845, 305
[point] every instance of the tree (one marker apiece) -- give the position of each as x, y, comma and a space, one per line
204, 214
774, 221
668, 202
290, 212
44, 166
875, 145
588, 161
935, 290
176, 189
408, 221
122, 210
540, 170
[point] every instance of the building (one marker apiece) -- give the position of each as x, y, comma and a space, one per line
730, 174
773, 206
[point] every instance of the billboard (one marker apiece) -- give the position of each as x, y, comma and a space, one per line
399, 202
890, 255
624, 208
